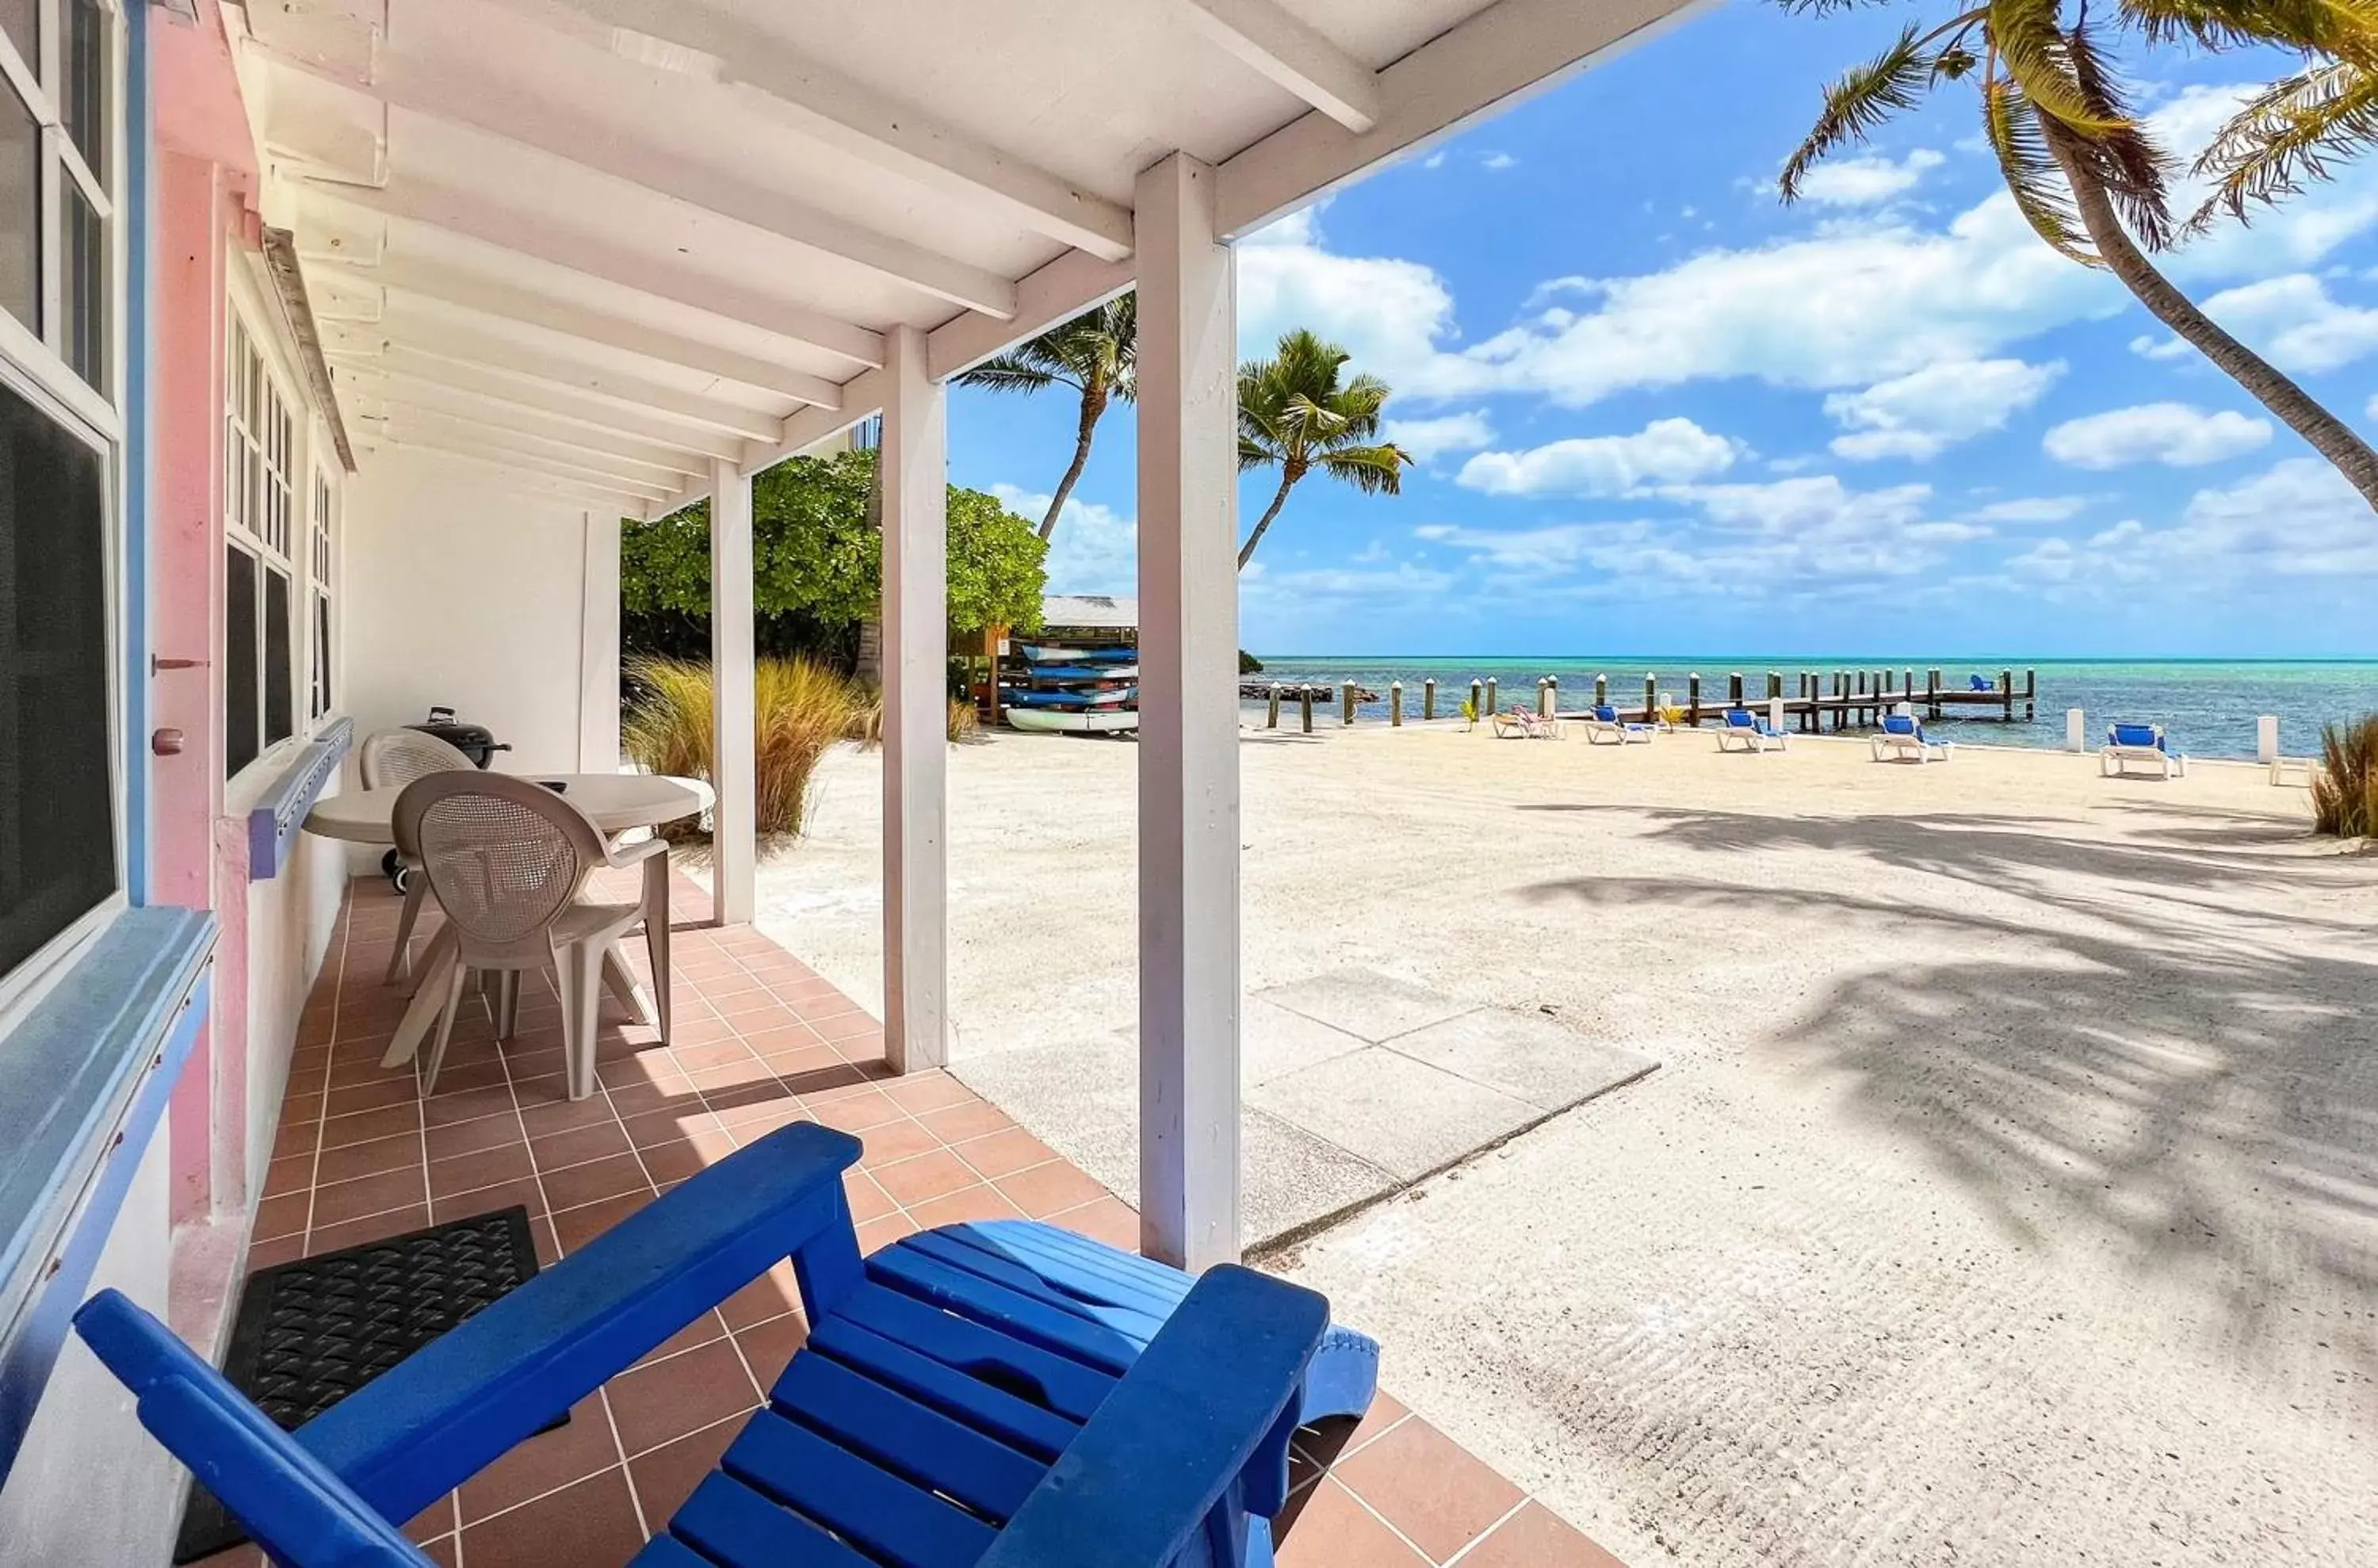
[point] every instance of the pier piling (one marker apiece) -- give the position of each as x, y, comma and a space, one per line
1493, 701
1477, 703
1304, 705
1693, 700
1395, 706
1428, 698
1602, 691
1271, 718
1347, 701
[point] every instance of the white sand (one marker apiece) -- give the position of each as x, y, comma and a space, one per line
2008, 1192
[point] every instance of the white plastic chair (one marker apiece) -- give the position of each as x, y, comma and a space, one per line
508, 860
390, 760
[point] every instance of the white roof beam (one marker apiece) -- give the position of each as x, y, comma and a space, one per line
1047, 296
1512, 49
499, 476
517, 363
529, 424
488, 108
501, 456
507, 228
425, 374
1292, 55
855, 120
447, 289
627, 460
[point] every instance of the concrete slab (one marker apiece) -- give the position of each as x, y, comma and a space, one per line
1365, 1002
1274, 1041
1395, 1111
1525, 1055
1293, 1178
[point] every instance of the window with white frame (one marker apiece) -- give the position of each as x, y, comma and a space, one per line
321, 699
58, 61
261, 570
60, 587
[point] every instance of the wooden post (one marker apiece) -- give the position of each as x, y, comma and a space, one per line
1492, 699
2031, 696
1552, 707
1932, 692
1734, 689
1692, 699
1543, 697
1189, 810
1602, 691
1774, 682
1396, 704
1346, 711
1651, 699
1477, 704
1305, 705
916, 710
1428, 698
2006, 690
1271, 715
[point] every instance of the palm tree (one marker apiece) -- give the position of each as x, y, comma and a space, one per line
1295, 416
2288, 133
1095, 353
2084, 172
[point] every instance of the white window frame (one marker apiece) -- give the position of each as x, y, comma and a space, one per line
264, 472
33, 366
323, 591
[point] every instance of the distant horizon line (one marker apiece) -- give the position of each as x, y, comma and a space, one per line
1898, 660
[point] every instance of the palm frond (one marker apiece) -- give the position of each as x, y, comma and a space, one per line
2010, 123
1009, 372
2030, 37
1859, 101
2286, 136
2346, 30
1374, 470
2134, 172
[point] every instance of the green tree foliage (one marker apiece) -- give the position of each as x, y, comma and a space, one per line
1095, 353
816, 560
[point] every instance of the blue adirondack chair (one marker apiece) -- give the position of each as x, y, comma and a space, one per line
998, 1396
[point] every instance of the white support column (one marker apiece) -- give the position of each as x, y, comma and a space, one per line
916, 709
598, 648
734, 826
1189, 724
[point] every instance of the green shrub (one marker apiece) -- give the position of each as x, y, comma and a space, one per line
2345, 795
799, 710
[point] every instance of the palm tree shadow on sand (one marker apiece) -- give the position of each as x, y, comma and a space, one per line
2174, 1075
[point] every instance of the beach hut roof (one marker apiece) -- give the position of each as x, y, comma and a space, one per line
1104, 612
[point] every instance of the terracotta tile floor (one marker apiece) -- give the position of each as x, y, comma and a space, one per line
760, 1040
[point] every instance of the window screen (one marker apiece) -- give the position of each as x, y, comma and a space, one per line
242, 702
57, 829
280, 718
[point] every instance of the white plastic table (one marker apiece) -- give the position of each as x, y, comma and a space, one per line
616, 803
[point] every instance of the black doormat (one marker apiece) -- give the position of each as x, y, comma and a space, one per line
312, 1331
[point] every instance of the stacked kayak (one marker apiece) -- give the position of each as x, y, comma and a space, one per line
1071, 690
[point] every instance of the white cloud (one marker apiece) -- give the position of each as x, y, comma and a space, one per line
1391, 315
1564, 544
2295, 323
1862, 182
2030, 509
1498, 161
1095, 548
1921, 414
2298, 519
2148, 346
1665, 452
1428, 439
1811, 504
2170, 433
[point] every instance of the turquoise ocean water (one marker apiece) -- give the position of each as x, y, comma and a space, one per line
2208, 708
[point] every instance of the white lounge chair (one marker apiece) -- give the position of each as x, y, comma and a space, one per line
1602, 727
1903, 740
1746, 731
2139, 746
1527, 725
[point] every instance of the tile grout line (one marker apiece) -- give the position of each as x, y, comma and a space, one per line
1487, 1534
1365, 1504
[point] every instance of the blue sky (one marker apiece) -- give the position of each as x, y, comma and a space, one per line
1659, 412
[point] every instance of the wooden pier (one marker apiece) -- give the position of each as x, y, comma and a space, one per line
1851, 699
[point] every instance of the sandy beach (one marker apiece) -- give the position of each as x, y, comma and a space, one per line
2007, 1189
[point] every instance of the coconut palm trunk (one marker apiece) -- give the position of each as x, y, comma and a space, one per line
1279, 499
2328, 435
1094, 407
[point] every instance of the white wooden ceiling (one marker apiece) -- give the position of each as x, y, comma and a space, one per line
591, 246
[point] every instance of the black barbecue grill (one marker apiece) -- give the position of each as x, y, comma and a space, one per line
473, 740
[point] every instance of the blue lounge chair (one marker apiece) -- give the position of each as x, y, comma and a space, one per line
2139, 746
1980, 684
1903, 740
995, 1395
1602, 727
1744, 731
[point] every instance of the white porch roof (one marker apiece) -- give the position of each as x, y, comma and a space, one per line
589, 247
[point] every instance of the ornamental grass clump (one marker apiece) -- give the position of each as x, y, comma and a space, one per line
800, 709
2345, 795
